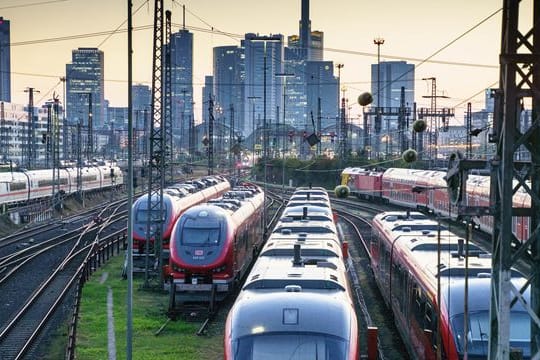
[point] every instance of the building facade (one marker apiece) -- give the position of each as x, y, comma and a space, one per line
5, 60
386, 83
181, 44
85, 89
261, 86
228, 89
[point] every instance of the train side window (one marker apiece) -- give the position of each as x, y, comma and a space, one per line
418, 305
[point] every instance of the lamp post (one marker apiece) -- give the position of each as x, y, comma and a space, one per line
378, 41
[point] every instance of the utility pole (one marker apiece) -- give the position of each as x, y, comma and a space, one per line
167, 94
211, 136
232, 140
338, 115
378, 42
434, 115
31, 151
90, 142
468, 117
520, 83
156, 163
4, 144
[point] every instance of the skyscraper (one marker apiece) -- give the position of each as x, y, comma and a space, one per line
182, 83
393, 76
207, 91
5, 61
256, 51
229, 74
85, 84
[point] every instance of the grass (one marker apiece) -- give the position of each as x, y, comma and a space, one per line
176, 341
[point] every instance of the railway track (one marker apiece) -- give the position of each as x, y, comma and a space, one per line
36, 279
371, 309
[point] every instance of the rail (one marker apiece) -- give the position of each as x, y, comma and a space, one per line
103, 251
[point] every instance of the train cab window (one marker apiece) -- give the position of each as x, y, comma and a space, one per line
290, 345
200, 236
141, 216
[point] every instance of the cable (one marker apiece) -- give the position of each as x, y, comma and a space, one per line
31, 4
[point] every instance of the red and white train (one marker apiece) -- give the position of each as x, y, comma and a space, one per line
25, 186
213, 244
296, 302
427, 190
175, 202
426, 276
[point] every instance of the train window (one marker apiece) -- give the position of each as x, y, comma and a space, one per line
142, 215
290, 345
201, 236
14, 186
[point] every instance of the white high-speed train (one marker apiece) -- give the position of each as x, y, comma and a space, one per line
24, 186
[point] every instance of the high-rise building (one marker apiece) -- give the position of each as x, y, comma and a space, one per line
261, 80
5, 61
386, 85
142, 97
207, 92
322, 88
182, 83
85, 85
229, 74
312, 78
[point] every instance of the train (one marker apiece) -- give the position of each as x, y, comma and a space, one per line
177, 198
436, 285
18, 187
297, 284
213, 245
426, 190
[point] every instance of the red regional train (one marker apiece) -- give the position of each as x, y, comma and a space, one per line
427, 190
428, 300
297, 285
175, 203
213, 244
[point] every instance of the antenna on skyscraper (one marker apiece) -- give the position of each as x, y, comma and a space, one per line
183, 17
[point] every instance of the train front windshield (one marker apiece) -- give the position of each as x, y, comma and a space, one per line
478, 333
293, 346
197, 236
141, 216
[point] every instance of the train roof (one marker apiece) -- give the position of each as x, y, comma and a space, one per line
289, 225
290, 311
324, 203
271, 273
283, 245
311, 192
401, 215
310, 188
299, 209
303, 197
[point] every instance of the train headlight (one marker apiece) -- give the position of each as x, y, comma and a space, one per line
176, 268
219, 269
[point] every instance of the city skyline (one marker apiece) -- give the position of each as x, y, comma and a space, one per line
419, 30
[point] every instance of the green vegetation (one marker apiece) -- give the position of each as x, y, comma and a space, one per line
176, 341
320, 171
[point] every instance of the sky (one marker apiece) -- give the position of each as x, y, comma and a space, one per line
465, 35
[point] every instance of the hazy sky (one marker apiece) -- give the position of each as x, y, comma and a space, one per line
413, 30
